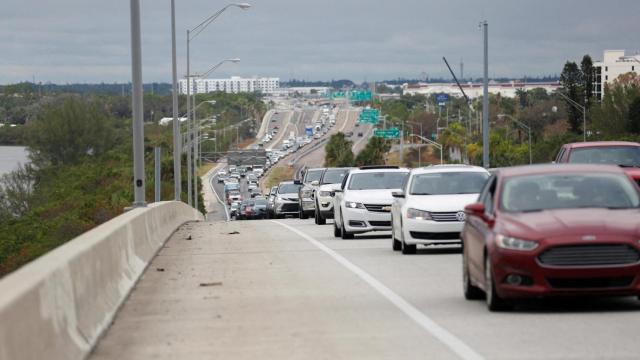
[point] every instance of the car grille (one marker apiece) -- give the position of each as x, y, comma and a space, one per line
589, 255
376, 207
591, 283
435, 236
289, 207
451, 216
380, 223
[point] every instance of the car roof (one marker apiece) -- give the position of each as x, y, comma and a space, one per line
589, 144
448, 168
558, 169
378, 170
286, 182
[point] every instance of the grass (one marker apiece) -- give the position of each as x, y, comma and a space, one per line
204, 169
278, 174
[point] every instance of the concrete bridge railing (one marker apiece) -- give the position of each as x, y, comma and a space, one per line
59, 305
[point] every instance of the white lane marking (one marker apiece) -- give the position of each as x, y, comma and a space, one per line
451, 341
226, 211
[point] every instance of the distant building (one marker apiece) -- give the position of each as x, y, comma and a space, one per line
475, 90
234, 85
614, 63
302, 90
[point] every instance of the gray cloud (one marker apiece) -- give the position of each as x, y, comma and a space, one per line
88, 41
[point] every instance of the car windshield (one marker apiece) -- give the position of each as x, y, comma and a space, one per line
288, 189
334, 176
445, 183
313, 175
571, 190
377, 180
616, 155
261, 202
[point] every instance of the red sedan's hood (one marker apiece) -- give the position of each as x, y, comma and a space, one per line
567, 222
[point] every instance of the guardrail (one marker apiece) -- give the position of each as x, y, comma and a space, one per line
59, 305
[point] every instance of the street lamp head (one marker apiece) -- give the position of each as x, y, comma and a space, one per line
234, 60
243, 6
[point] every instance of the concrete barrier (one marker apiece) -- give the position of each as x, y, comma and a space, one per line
58, 306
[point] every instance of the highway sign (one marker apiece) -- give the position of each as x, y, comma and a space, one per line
369, 116
390, 133
442, 98
360, 96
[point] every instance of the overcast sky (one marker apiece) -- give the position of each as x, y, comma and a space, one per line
66, 41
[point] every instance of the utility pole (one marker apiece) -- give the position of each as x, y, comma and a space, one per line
485, 98
137, 110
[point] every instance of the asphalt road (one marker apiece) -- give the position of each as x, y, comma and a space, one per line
289, 289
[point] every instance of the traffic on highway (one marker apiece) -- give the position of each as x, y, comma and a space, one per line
527, 232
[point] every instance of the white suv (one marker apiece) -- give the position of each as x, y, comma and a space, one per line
430, 208
363, 202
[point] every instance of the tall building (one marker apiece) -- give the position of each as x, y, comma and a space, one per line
235, 85
614, 63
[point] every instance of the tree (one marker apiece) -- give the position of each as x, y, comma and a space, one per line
522, 96
586, 67
374, 153
338, 151
571, 78
65, 134
634, 116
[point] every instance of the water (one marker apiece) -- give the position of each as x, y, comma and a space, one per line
11, 156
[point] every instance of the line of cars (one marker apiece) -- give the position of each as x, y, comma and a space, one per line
565, 229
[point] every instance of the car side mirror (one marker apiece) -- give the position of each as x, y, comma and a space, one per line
297, 182
315, 183
476, 209
398, 194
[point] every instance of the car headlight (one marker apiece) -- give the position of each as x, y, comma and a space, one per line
418, 214
511, 243
353, 205
325, 193
307, 193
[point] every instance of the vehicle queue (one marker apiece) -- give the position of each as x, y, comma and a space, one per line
566, 229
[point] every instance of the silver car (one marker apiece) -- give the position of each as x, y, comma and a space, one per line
286, 202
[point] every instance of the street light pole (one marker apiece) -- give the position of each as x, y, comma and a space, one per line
137, 110
581, 108
177, 148
524, 126
431, 142
485, 98
196, 31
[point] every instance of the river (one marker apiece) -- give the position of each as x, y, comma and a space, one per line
11, 156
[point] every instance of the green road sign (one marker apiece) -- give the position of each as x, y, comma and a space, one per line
369, 116
390, 133
360, 96
337, 95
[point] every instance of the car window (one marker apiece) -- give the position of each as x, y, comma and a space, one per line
288, 188
334, 176
615, 155
313, 175
568, 190
487, 195
559, 155
446, 183
377, 180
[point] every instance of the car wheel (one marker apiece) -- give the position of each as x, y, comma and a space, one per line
337, 232
346, 235
494, 301
319, 219
396, 245
471, 292
406, 248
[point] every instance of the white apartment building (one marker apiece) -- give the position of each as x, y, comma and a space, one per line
475, 90
614, 63
235, 85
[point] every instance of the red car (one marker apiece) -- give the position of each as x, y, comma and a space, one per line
552, 230
622, 153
